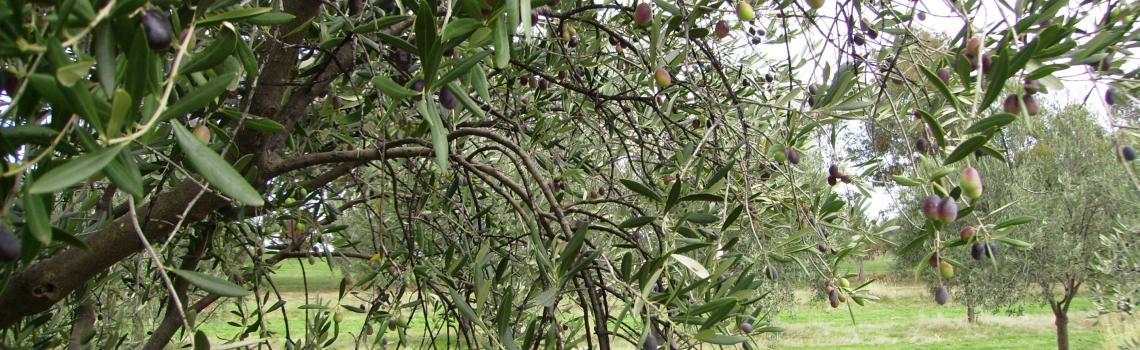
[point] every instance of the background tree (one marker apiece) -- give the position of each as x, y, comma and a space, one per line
1060, 183
640, 166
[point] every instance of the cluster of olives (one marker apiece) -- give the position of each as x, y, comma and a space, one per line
1011, 104
834, 175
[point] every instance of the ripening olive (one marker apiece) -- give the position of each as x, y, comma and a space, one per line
941, 295
744, 11
643, 15
10, 246
156, 25
447, 99
971, 183
930, 207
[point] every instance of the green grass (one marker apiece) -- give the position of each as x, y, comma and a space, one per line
905, 318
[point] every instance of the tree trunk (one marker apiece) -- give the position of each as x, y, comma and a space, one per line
971, 314
860, 269
1062, 322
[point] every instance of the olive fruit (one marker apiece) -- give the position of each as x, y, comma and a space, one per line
392, 324
10, 246
1031, 86
921, 15
1109, 99
971, 183
978, 251
157, 27
1010, 105
987, 63
921, 145
793, 156
643, 15
746, 328
934, 260
858, 39
543, 84
966, 233
447, 99
1128, 153
832, 180
941, 295
973, 45
843, 282
721, 29
948, 209
991, 249
815, 4
661, 76
833, 170
573, 42
956, 193
822, 248
833, 297
202, 132
1031, 106
744, 11
930, 207
650, 343
772, 272
944, 75
946, 270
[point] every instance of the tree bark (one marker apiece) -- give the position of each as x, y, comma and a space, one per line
860, 269
48, 281
971, 314
1062, 323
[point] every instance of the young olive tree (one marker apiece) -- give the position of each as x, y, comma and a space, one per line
1063, 193
497, 165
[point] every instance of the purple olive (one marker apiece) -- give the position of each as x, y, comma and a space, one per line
650, 343
793, 156
944, 75
1128, 153
948, 209
833, 297
447, 99
721, 29
157, 27
930, 207
1010, 105
1031, 106
643, 15
941, 295
978, 251
10, 246
746, 328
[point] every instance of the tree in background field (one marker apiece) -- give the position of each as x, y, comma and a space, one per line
507, 174
1060, 193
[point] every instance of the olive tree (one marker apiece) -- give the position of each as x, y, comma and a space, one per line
640, 166
1063, 192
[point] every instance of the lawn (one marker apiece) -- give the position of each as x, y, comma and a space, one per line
905, 318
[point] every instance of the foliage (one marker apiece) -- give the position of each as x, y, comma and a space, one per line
514, 161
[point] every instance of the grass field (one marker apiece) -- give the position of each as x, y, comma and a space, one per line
905, 318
